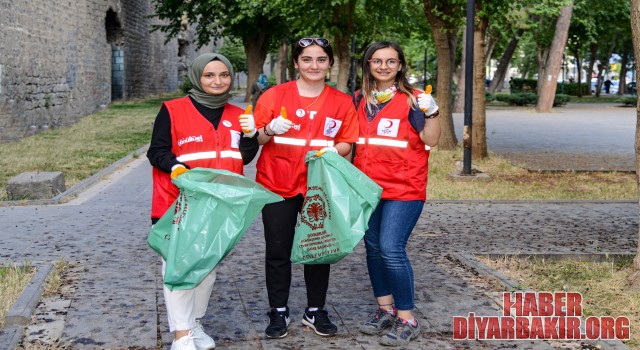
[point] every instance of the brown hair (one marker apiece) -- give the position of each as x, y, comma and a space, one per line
369, 83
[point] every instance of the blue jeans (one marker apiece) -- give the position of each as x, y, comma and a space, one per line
386, 239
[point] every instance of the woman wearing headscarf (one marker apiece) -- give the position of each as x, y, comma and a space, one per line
199, 130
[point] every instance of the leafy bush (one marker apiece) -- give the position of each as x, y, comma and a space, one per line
572, 88
186, 85
518, 85
628, 100
518, 99
489, 97
528, 98
561, 100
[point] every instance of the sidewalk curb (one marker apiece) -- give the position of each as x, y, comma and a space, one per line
19, 316
10, 337
83, 185
21, 311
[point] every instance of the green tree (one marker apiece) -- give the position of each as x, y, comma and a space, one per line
581, 36
258, 23
635, 28
551, 65
445, 17
511, 27
233, 50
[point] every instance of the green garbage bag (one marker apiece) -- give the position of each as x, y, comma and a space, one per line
211, 214
335, 215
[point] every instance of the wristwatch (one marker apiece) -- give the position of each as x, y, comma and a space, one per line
437, 113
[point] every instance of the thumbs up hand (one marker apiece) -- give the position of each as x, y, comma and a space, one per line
281, 124
247, 123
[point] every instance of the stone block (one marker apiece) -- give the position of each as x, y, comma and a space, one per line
36, 185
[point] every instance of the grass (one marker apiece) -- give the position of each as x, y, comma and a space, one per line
603, 285
509, 182
85, 148
13, 280
100, 139
54, 282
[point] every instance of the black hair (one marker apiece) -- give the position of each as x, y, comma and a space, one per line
297, 51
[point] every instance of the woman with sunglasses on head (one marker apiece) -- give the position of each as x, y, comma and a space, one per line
398, 125
294, 118
198, 130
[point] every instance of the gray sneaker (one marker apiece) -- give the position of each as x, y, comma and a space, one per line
378, 322
401, 333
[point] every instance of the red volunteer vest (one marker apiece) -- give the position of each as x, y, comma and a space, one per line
281, 167
391, 152
197, 144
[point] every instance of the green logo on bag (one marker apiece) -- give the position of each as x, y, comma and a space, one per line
314, 208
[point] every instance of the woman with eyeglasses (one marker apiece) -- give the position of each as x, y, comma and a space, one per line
398, 126
198, 130
294, 118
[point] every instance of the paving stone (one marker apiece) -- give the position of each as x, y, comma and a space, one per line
118, 302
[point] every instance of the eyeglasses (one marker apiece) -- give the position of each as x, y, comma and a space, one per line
391, 63
304, 42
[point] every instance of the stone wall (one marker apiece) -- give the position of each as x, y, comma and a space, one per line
62, 60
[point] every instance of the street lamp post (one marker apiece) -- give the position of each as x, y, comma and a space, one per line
468, 89
563, 69
424, 71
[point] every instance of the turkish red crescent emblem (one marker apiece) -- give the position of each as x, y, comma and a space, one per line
333, 125
390, 124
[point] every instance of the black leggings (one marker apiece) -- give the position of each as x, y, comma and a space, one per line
279, 221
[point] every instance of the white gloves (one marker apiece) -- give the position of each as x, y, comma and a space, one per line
280, 125
427, 104
248, 125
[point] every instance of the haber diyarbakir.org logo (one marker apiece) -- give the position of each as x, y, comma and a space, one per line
540, 315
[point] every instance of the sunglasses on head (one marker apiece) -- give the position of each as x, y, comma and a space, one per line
304, 42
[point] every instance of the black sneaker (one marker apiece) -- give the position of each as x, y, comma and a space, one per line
319, 321
278, 322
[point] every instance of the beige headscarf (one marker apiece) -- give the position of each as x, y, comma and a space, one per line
195, 72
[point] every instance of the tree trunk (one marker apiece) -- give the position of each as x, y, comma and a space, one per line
542, 55
283, 58
552, 68
478, 112
579, 78
458, 104
343, 19
599, 80
445, 40
624, 60
503, 65
343, 60
255, 47
635, 30
592, 60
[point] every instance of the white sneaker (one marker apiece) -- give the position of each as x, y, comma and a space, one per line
201, 339
184, 343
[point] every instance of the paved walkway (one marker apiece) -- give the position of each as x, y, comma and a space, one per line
579, 137
116, 300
